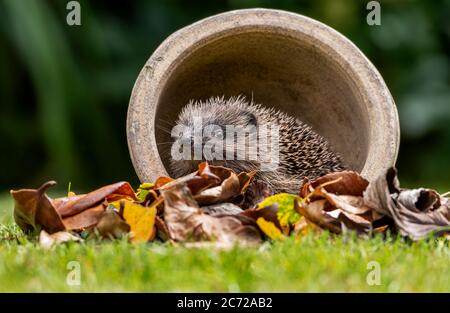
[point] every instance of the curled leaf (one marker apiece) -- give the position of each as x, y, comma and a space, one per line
78, 204
417, 213
229, 188
34, 210
314, 213
203, 179
347, 183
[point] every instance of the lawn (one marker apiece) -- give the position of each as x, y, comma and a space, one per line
314, 263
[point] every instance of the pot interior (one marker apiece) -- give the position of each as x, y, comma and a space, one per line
290, 73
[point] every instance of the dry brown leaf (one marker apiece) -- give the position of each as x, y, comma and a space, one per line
417, 213
245, 180
269, 213
349, 205
161, 229
303, 228
34, 210
47, 241
348, 212
197, 181
111, 225
355, 222
349, 183
161, 181
314, 213
113, 192
186, 221
87, 218
229, 188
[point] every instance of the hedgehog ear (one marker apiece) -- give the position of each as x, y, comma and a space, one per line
251, 118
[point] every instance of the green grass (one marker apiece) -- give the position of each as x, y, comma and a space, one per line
315, 263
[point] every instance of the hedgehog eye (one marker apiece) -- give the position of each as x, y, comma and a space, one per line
251, 118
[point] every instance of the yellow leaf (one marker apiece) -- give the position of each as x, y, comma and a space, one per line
141, 220
286, 212
269, 229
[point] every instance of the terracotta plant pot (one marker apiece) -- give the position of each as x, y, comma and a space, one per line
279, 59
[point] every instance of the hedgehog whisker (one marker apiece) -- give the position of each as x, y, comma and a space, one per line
166, 122
166, 130
163, 143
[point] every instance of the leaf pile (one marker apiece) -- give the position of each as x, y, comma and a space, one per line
344, 201
215, 205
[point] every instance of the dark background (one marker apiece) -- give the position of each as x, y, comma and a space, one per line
64, 90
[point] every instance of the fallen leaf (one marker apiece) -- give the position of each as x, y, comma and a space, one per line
161, 229
197, 181
347, 212
111, 225
245, 180
141, 220
303, 228
85, 219
348, 204
78, 204
186, 221
47, 241
34, 210
355, 223
143, 191
347, 183
269, 213
314, 213
229, 188
286, 212
417, 213
161, 181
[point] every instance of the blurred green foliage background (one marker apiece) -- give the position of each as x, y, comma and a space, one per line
64, 90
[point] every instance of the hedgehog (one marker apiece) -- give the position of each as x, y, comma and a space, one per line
302, 152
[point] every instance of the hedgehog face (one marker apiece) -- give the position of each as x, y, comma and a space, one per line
213, 131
